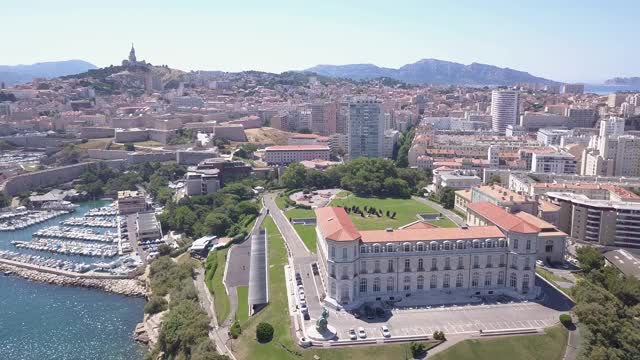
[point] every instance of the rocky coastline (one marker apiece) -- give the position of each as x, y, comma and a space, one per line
126, 287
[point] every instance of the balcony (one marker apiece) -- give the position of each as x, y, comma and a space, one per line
476, 266
421, 269
502, 265
390, 269
376, 271
460, 267
434, 268
407, 269
447, 267
514, 267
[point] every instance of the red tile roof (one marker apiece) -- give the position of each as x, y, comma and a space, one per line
297, 148
501, 218
435, 234
335, 224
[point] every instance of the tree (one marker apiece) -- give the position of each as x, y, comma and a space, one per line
294, 176
129, 147
264, 332
184, 219
447, 198
217, 223
155, 305
418, 350
235, 330
590, 258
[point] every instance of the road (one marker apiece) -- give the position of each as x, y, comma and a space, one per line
448, 213
295, 244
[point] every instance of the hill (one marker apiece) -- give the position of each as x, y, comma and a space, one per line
623, 81
433, 71
19, 74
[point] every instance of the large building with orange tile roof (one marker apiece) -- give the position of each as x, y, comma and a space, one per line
423, 263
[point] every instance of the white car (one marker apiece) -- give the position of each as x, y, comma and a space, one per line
385, 331
302, 297
303, 307
539, 263
352, 334
361, 333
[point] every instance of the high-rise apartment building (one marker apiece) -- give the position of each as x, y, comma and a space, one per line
612, 127
583, 118
616, 99
366, 127
324, 118
504, 109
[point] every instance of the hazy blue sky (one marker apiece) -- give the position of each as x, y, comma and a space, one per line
566, 40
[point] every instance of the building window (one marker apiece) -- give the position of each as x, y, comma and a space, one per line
513, 282
407, 283
502, 263
407, 265
459, 279
333, 271
407, 247
447, 245
376, 248
501, 278
420, 284
476, 244
434, 264
376, 266
548, 247
333, 289
487, 279
389, 248
390, 266
434, 282
434, 246
363, 267
376, 285
333, 252
345, 272
446, 281
363, 285
390, 283
489, 261
528, 246
525, 284
460, 262
447, 263
344, 254
526, 263
460, 245
515, 244
476, 262
363, 249
420, 247
420, 265
474, 279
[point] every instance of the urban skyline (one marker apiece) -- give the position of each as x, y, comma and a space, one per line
254, 36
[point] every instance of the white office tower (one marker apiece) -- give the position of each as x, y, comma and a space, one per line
504, 109
366, 127
613, 126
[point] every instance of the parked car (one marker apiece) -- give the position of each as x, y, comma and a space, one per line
302, 297
361, 333
352, 334
385, 331
304, 308
306, 315
539, 263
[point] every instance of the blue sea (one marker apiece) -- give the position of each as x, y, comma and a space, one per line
607, 89
46, 322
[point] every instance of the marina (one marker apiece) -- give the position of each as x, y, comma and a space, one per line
25, 218
73, 233
68, 247
102, 222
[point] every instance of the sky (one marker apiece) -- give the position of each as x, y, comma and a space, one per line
563, 40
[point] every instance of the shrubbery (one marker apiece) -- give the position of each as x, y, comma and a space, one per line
565, 319
439, 335
418, 350
235, 330
264, 332
155, 305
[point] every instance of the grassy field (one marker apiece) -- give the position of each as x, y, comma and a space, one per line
444, 222
550, 346
276, 313
308, 235
220, 298
406, 210
243, 303
395, 352
149, 143
554, 279
95, 144
300, 213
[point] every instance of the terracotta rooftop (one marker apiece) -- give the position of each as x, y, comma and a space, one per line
297, 148
501, 218
335, 224
435, 234
537, 222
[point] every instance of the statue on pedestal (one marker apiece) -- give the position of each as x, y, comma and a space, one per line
323, 322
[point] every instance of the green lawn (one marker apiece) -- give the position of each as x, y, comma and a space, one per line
553, 278
280, 201
535, 347
300, 213
395, 352
444, 222
308, 235
243, 303
276, 313
148, 143
220, 298
406, 210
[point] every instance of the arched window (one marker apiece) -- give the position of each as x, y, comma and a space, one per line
376, 248
487, 279
526, 263
434, 264
489, 261
390, 284
420, 264
460, 244
363, 249
502, 243
460, 262
513, 281
459, 279
488, 243
548, 246
420, 246
390, 266
389, 248
406, 247
420, 284
501, 278
434, 282
407, 283
376, 266
363, 285
476, 261
502, 263
376, 285
475, 279
476, 243
407, 265
446, 281
434, 246
447, 263
525, 283
333, 289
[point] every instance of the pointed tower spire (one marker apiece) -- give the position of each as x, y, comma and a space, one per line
132, 54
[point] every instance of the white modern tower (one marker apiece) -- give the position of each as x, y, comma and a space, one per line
366, 127
504, 109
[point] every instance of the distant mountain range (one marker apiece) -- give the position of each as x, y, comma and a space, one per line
624, 81
19, 74
433, 71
